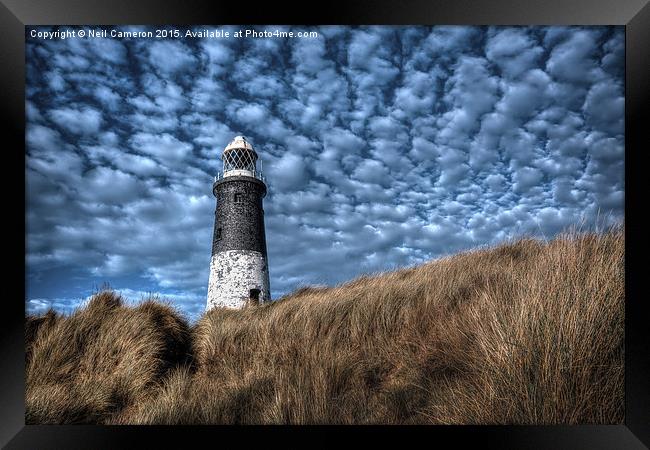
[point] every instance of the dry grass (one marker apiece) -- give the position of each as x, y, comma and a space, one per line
101, 360
525, 333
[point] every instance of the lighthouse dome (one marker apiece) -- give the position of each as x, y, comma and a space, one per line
240, 158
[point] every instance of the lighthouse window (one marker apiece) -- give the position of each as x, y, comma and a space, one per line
254, 295
239, 197
218, 233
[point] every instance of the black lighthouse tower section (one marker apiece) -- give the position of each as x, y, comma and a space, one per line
239, 215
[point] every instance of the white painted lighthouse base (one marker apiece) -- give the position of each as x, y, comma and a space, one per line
233, 274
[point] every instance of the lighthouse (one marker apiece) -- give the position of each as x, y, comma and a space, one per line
239, 272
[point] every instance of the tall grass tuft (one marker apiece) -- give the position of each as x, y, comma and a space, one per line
101, 360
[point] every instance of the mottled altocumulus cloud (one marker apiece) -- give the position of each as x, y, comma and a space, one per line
382, 147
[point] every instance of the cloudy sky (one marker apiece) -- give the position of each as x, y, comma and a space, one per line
382, 147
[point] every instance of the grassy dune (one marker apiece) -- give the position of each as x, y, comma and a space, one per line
524, 333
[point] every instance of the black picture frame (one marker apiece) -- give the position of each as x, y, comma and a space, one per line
634, 14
